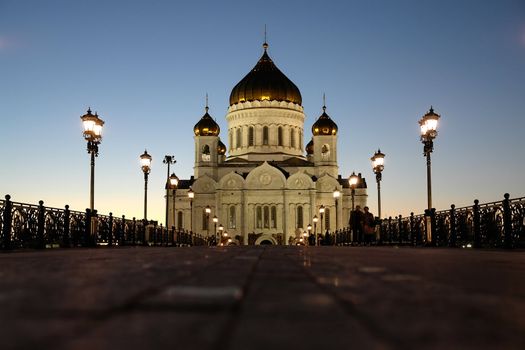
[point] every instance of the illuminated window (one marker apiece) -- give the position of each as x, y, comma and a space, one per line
232, 217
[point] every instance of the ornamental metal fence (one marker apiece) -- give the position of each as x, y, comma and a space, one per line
490, 225
36, 226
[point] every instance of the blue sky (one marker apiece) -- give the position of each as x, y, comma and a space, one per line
146, 67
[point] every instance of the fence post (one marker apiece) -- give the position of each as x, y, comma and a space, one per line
40, 244
507, 223
87, 231
412, 229
390, 238
133, 241
67, 221
122, 227
400, 229
453, 232
7, 223
110, 230
476, 221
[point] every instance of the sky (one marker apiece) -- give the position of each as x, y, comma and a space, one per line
146, 66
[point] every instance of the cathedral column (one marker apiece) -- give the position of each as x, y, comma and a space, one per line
285, 218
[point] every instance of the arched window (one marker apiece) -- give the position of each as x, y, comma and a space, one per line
250, 136
206, 153
280, 136
232, 219
301, 140
205, 220
179, 220
238, 137
327, 219
265, 135
231, 139
299, 219
292, 138
273, 217
325, 151
258, 217
266, 217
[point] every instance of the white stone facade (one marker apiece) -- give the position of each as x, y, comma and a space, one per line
265, 189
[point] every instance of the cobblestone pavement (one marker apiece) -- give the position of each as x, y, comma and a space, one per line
262, 298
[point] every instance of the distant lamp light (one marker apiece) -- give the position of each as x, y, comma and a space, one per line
215, 220
321, 209
315, 219
191, 194
336, 193
352, 180
173, 181
207, 210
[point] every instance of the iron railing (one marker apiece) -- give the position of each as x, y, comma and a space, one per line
36, 226
490, 225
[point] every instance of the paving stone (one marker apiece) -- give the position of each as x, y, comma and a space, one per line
262, 297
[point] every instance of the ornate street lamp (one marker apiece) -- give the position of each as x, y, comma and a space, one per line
145, 163
207, 210
92, 125
221, 230
428, 124
352, 181
191, 195
173, 183
321, 213
168, 160
336, 195
309, 228
378, 161
215, 221
315, 220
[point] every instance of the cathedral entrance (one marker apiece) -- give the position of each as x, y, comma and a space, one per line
266, 239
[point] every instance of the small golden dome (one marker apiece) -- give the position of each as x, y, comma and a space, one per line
310, 147
221, 148
324, 125
265, 82
206, 126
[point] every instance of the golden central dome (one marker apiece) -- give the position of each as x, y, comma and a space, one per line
265, 82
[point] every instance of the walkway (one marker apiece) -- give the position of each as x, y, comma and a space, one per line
262, 298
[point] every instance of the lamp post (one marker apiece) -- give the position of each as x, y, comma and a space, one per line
315, 219
191, 195
336, 195
215, 221
428, 125
145, 163
352, 181
92, 125
221, 229
207, 210
378, 161
309, 228
168, 160
173, 184
321, 213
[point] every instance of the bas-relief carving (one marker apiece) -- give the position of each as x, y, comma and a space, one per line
265, 179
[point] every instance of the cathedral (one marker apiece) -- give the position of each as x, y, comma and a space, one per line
266, 187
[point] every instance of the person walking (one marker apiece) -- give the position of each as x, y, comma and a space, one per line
368, 225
